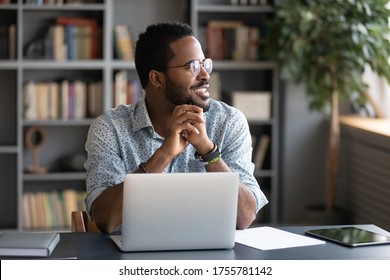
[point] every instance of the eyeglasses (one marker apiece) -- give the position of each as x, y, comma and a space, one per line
194, 66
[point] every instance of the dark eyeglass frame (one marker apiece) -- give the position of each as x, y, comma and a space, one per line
192, 65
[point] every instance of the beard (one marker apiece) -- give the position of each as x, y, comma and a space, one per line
179, 95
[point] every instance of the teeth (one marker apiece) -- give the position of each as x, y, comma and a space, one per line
200, 90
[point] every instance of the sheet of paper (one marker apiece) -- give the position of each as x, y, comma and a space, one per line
268, 238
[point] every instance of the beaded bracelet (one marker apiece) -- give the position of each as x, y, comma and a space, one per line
142, 168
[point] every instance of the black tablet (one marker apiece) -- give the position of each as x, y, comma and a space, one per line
350, 236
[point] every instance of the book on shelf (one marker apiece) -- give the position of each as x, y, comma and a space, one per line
66, 99
255, 105
120, 88
8, 42
123, 43
82, 37
54, 100
51, 209
12, 42
231, 40
261, 151
80, 100
59, 47
42, 95
64, 107
95, 99
80, 21
249, 2
125, 91
28, 244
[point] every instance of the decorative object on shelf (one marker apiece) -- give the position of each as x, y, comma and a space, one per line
256, 105
326, 45
34, 139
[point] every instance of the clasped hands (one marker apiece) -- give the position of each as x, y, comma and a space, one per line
187, 126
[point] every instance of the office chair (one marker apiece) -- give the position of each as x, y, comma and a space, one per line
81, 222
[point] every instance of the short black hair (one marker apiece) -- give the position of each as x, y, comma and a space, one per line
152, 51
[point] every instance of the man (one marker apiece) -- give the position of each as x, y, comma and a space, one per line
174, 128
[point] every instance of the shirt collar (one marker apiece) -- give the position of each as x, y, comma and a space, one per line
141, 115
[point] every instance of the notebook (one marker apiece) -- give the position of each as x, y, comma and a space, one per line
28, 244
178, 211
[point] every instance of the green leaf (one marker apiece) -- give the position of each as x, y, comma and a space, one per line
326, 45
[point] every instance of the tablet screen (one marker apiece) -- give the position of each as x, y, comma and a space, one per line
350, 236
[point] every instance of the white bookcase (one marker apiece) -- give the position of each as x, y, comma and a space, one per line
67, 137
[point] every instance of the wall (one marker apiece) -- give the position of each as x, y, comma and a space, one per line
303, 147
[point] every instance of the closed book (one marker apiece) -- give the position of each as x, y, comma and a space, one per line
261, 151
58, 42
124, 48
28, 244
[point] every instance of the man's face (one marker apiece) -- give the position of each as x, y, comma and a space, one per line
182, 86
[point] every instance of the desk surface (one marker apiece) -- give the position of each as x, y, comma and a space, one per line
99, 246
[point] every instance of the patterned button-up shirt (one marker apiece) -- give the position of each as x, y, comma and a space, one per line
122, 138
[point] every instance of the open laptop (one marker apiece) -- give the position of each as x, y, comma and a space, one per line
178, 211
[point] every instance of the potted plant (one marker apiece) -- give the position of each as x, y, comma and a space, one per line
325, 45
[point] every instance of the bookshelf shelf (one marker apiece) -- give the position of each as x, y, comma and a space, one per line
56, 123
8, 7
234, 9
54, 176
64, 7
5, 64
130, 65
243, 65
72, 64
8, 149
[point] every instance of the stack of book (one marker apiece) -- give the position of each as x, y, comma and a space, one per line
51, 210
62, 100
76, 38
69, 38
125, 91
230, 40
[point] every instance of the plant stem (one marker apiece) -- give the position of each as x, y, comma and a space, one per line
333, 151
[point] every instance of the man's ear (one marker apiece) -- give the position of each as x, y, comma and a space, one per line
156, 78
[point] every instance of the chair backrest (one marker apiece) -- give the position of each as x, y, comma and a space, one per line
81, 222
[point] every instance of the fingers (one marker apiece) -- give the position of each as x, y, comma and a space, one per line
185, 107
187, 128
187, 122
189, 113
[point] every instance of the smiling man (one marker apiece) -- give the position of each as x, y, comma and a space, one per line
175, 127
